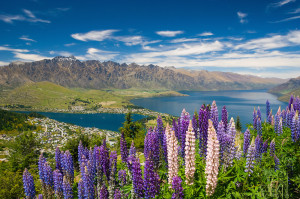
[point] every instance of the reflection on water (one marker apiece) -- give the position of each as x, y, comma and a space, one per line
238, 103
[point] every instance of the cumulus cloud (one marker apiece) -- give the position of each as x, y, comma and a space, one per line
182, 40
168, 33
98, 54
242, 16
2, 63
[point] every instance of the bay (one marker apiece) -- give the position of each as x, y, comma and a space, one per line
238, 103
107, 121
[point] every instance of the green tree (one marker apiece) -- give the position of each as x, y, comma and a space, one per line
238, 124
23, 151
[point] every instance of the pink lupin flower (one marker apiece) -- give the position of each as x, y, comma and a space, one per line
190, 155
172, 146
212, 160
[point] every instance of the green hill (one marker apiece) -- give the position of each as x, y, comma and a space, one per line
47, 95
286, 89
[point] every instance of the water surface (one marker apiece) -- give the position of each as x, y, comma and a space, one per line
238, 103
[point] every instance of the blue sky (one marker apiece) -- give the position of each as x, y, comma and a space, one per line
249, 37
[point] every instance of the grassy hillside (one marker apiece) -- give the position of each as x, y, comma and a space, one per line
286, 97
47, 95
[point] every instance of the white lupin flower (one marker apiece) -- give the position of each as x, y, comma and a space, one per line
212, 160
190, 155
172, 147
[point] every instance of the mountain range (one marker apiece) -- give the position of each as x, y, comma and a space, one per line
285, 90
72, 73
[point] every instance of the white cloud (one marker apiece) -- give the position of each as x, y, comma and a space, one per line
25, 38
182, 40
29, 18
287, 19
272, 42
205, 34
282, 3
242, 16
94, 35
108, 35
2, 63
296, 11
168, 33
97, 54
70, 44
29, 13
30, 57
61, 53
5, 48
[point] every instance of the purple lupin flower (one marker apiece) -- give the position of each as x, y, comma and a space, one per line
123, 148
117, 194
277, 162
132, 150
165, 148
122, 177
184, 125
176, 186
225, 117
68, 167
151, 180
103, 192
297, 104
230, 149
277, 119
195, 123
67, 189
137, 180
258, 113
258, 148
40, 196
41, 163
254, 118
84, 162
268, 109
214, 114
250, 159
58, 159
58, 184
93, 163
80, 189
283, 115
291, 102
203, 121
269, 117
295, 127
220, 135
151, 147
48, 179
28, 185
80, 152
291, 115
246, 141
265, 147
272, 147
160, 129
176, 128
104, 161
89, 191
113, 165
258, 127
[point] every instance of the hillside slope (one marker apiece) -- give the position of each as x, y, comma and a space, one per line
285, 90
70, 72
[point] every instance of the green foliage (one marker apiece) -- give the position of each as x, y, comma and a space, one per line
133, 131
238, 124
10, 121
23, 151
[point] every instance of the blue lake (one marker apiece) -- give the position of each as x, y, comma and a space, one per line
106, 121
238, 103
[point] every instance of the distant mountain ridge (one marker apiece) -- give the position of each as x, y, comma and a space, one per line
286, 89
70, 72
